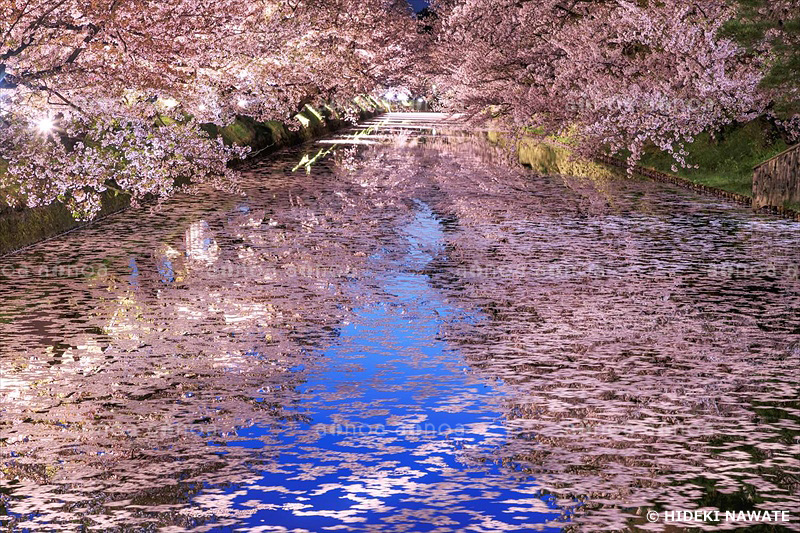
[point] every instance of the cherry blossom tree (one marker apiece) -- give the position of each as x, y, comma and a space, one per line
112, 93
610, 73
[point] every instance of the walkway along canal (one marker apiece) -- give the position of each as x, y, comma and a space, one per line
395, 330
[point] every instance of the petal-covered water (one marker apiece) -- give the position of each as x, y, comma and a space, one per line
396, 330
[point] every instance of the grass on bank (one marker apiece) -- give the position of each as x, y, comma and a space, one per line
725, 160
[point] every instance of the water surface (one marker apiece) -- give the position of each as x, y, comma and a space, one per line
397, 330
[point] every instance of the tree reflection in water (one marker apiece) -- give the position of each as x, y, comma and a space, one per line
583, 347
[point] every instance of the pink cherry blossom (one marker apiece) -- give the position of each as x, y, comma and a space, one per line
617, 74
103, 93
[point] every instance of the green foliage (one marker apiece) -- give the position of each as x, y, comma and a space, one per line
726, 160
771, 31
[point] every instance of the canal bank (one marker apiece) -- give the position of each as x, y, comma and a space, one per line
22, 227
547, 155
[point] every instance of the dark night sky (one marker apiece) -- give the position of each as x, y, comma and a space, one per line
418, 5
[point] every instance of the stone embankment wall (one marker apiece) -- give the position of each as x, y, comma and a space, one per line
23, 227
776, 182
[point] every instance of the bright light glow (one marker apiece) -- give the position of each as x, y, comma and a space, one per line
242, 102
169, 103
397, 95
202, 107
45, 125
347, 141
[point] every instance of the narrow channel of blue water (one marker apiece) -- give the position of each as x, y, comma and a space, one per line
404, 425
